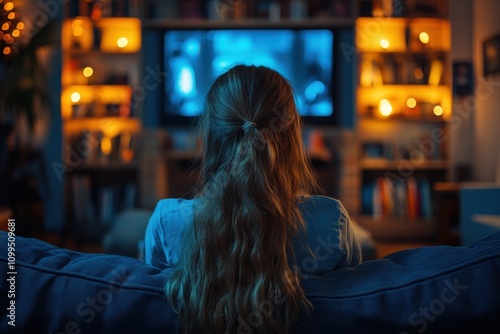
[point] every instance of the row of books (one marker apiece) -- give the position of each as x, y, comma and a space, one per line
420, 149
94, 148
100, 205
273, 10
388, 198
97, 9
396, 70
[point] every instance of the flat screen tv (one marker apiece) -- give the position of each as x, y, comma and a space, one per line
194, 58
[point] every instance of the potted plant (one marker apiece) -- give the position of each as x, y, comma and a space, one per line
24, 117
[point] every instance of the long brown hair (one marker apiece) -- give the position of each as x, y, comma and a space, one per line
236, 272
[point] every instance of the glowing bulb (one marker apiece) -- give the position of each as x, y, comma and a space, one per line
385, 107
88, 71
20, 25
6, 50
106, 145
424, 37
75, 97
15, 33
438, 110
411, 102
384, 43
77, 26
11, 16
77, 23
122, 42
5, 26
8, 6
78, 31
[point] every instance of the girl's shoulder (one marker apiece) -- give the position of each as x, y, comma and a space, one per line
174, 210
319, 204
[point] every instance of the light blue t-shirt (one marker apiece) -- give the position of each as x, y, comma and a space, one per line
329, 235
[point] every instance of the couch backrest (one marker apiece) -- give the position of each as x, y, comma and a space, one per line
431, 289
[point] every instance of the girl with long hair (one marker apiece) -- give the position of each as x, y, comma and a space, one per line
241, 247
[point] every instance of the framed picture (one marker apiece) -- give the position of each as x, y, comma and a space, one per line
491, 55
463, 79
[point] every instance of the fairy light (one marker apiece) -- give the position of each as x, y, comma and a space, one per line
122, 42
411, 102
424, 37
385, 107
8, 6
10, 29
75, 97
88, 71
438, 110
384, 44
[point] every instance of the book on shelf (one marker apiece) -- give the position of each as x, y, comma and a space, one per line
107, 204
114, 199
98, 204
83, 208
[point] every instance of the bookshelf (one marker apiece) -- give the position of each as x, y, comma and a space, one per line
101, 44
404, 102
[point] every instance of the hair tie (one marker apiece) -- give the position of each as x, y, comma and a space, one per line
249, 125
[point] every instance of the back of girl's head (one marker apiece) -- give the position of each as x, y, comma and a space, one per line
235, 261
251, 110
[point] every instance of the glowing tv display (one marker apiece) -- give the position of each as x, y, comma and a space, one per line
193, 58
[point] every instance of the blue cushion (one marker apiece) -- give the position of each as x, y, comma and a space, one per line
433, 289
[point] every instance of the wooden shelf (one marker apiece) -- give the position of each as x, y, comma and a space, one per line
384, 164
324, 23
398, 228
396, 118
404, 71
108, 167
99, 53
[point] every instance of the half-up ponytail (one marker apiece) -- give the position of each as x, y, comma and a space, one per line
235, 273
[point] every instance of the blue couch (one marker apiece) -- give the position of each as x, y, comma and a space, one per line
438, 289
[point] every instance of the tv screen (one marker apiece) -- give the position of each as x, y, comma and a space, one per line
193, 59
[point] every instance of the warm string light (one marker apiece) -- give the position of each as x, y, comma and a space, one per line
88, 71
122, 42
424, 37
385, 108
438, 110
384, 44
75, 97
411, 102
8, 6
10, 29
